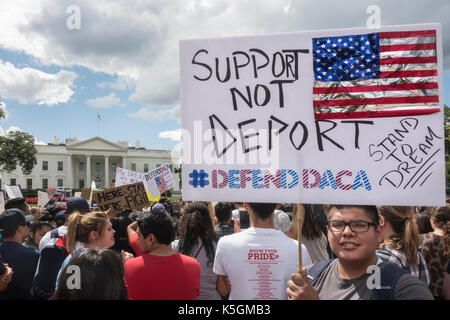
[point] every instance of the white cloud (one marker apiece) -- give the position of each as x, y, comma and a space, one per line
36, 141
12, 128
174, 135
156, 115
29, 85
122, 83
104, 102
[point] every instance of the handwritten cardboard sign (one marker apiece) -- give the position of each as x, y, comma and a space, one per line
261, 122
131, 196
86, 193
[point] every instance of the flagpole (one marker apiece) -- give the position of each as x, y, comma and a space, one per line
98, 125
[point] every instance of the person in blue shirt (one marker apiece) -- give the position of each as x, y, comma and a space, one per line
20, 259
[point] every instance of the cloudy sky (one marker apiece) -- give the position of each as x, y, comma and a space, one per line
122, 63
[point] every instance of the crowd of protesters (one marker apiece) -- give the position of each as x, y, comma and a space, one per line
177, 250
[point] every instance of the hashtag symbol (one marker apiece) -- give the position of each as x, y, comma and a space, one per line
198, 178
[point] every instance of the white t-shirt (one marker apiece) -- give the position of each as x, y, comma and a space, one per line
258, 262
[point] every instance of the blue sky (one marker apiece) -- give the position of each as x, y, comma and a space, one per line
122, 63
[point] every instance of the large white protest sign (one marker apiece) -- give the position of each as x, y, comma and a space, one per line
13, 191
349, 116
159, 180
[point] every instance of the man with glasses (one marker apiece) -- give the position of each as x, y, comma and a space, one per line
354, 232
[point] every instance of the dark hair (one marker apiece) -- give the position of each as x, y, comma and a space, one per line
37, 225
311, 229
263, 210
120, 224
158, 224
102, 277
18, 203
441, 217
423, 222
370, 211
223, 211
135, 215
196, 223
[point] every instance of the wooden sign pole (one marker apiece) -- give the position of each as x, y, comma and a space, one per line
300, 221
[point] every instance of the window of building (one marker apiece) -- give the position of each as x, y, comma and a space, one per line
81, 166
60, 183
81, 184
60, 166
98, 167
44, 183
44, 165
29, 183
13, 182
145, 167
114, 167
133, 167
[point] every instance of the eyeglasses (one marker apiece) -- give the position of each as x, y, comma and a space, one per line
357, 226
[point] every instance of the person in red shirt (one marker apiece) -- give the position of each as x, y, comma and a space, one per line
160, 273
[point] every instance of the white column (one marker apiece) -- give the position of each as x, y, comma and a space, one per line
88, 171
124, 162
69, 182
106, 172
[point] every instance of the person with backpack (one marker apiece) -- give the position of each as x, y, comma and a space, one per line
401, 241
198, 240
356, 273
53, 252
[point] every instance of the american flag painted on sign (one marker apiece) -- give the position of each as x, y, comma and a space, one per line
384, 74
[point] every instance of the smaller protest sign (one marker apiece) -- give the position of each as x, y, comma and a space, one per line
159, 180
111, 185
51, 192
77, 194
131, 196
125, 176
43, 199
62, 195
2, 201
13, 191
85, 193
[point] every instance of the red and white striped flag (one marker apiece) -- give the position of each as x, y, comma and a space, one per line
383, 74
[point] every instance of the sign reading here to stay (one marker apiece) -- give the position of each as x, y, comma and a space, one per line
130, 196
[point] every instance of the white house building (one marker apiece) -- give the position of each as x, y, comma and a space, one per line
76, 163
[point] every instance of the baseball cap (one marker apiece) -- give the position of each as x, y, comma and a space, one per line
159, 208
13, 202
10, 221
77, 204
60, 216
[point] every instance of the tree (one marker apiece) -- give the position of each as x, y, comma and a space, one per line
17, 148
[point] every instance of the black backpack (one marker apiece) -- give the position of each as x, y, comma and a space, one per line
390, 273
50, 262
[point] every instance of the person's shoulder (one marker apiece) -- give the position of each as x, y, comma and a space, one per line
409, 287
187, 259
